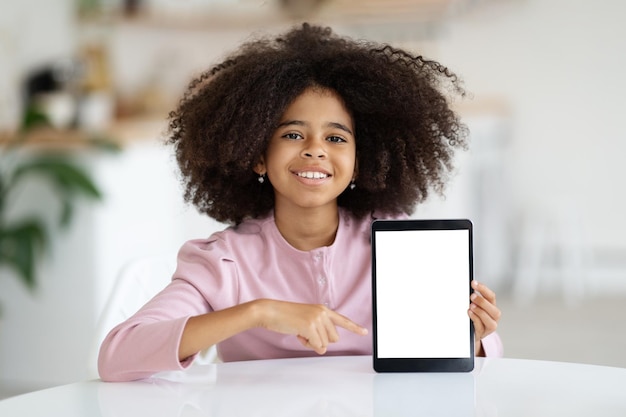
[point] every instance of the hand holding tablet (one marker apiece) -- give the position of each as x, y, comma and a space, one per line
421, 275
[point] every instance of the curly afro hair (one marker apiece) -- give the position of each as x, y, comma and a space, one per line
405, 129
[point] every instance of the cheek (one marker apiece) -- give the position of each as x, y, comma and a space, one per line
350, 163
275, 156
278, 161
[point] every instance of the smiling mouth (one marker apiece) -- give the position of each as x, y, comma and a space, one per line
312, 175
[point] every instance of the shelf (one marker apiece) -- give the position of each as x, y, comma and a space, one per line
121, 132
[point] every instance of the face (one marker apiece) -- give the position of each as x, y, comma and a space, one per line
311, 158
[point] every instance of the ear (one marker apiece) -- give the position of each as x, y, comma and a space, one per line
260, 168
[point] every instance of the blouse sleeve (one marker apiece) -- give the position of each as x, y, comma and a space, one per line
148, 341
492, 345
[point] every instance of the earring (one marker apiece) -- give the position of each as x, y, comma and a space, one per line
261, 178
352, 185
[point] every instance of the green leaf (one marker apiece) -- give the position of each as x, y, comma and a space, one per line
19, 246
69, 180
33, 118
3, 192
67, 210
65, 175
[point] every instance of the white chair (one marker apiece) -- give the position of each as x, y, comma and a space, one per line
553, 247
137, 282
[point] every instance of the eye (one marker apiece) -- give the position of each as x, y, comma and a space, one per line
335, 139
293, 136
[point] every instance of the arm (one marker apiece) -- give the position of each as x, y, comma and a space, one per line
168, 331
314, 325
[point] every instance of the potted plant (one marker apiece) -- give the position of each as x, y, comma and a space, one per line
24, 240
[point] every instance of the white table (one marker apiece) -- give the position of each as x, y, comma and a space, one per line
341, 386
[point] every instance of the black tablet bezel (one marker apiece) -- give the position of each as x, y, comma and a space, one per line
464, 364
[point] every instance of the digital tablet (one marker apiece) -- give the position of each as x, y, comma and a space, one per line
421, 287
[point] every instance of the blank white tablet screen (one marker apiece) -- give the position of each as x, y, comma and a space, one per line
422, 293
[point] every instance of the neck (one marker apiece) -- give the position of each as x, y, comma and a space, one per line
308, 229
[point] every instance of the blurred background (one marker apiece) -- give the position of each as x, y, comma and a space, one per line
541, 180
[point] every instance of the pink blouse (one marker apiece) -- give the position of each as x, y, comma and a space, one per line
241, 264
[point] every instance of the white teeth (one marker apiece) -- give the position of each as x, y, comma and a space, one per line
315, 174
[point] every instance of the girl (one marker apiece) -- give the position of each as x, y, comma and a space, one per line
299, 142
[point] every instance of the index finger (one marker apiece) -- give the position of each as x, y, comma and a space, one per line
485, 291
346, 323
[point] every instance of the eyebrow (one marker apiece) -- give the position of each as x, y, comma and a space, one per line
336, 125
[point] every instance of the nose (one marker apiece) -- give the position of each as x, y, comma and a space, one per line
314, 149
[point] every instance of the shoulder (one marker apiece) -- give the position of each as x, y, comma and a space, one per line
223, 241
214, 263
226, 244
